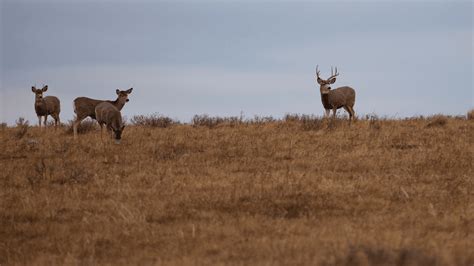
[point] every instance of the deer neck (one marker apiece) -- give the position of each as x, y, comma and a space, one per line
325, 100
39, 102
117, 103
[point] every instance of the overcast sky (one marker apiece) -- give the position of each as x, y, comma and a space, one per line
223, 58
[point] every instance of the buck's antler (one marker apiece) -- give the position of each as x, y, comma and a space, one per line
317, 71
333, 75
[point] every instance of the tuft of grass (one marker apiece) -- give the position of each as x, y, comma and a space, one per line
260, 120
306, 122
22, 126
374, 122
437, 121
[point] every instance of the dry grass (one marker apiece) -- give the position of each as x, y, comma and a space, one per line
296, 191
437, 121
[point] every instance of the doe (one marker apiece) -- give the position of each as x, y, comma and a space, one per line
107, 114
45, 106
85, 107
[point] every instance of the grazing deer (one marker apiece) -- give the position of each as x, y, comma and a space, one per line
48, 105
107, 114
84, 107
334, 99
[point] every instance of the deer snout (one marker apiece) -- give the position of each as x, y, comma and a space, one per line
127, 100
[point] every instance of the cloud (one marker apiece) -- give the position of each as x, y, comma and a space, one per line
221, 58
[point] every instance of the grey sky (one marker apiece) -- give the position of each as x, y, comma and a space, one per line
221, 58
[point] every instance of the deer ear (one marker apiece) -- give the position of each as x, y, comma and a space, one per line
129, 90
45, 88
33, 89
332, 80
117, 91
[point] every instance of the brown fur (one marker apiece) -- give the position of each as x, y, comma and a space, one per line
44, 106
333, 99
107, 114
85, 107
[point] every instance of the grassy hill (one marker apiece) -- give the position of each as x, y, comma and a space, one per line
296, 191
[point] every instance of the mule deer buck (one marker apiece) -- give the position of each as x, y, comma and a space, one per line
85, 107
334, 99
45, 106
107, 114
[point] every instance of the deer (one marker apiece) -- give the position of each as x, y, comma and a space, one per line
334, 99
85, 107
107, 114
44, 106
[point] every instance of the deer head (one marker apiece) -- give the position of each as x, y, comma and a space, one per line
118, 133
325, 83
123, 95
39, 92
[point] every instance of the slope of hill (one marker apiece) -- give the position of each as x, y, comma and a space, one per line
269, 192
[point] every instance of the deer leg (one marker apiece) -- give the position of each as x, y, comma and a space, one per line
111, 131
101, 132
348, 110
39, 121
45, 120
75, 125
334, 111
328, 111
353, 112
57, 120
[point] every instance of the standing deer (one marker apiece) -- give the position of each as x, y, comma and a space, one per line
48, 105
334, 99
107, 114
84, 107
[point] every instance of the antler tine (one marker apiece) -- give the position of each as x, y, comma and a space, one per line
333, 74
317, 71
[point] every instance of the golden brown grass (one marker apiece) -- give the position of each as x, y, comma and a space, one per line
297, 191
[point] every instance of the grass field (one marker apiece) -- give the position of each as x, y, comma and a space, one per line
286, 192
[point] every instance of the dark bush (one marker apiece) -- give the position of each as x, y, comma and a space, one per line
22, 127
154, 120
84, 127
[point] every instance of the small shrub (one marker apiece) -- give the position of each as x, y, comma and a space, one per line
3, 126
310, 122
38, 175
437, 121
291, 118
374, 122
83, 128
334, 123
207, 121
22, 126
306, 122
261, 120
154, 120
